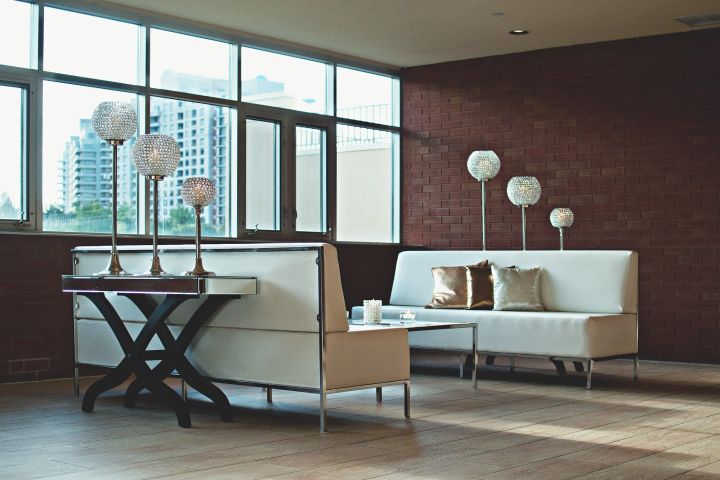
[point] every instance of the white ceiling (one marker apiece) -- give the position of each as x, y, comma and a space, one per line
417, 32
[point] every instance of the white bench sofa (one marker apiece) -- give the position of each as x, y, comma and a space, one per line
590, 300
292, 335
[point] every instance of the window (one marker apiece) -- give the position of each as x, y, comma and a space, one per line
184, 63
77, 164
262, 174
174, 217
13, 115
315, 155
89, 46
368, 97
367, 185
16, 28
283, 81
310, 181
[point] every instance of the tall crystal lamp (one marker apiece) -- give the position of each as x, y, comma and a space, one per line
523, 192
198, 192
156, 156
483, 165
562, 218
114, 122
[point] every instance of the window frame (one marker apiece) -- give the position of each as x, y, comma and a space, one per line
29, 168
288, 120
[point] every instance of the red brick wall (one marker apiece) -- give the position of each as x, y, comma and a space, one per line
625, 133
36, 328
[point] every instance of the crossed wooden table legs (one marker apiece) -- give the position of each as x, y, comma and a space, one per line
172, 358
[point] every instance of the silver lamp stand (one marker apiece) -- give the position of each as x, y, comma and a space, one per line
483, 165
523, 192
114, 122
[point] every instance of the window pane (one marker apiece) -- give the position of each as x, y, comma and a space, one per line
284, 81
15, 33
77, 165
90, 46
310, 179
366, 185
12, 139
191, 64
262, 173
367, 96
204, 134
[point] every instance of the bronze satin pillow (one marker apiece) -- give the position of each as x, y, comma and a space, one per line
479, 288
451, 287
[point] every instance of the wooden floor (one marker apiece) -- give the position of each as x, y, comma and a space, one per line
531, 424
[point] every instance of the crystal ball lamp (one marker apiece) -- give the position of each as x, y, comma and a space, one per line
523, 192
156, 156
198, 192
483, 165
114, 122
561, 218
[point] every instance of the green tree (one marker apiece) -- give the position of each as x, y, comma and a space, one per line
7, 209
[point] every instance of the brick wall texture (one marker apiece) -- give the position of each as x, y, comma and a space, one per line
625, 133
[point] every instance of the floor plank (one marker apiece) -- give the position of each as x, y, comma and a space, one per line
530, 424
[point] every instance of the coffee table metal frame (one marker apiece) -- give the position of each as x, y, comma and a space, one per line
420, 326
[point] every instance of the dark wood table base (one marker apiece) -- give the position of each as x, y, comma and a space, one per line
172, 358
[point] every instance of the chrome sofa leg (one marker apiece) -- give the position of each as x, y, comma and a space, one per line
323, 411
183, 390
268, 394
462, 365
636, 368
378, 394
406, 387
77, 381
588, 384
512, 364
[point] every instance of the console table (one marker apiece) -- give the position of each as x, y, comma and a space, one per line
141, 290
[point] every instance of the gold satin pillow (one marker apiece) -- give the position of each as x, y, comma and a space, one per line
517, 289
479, 287
451, 287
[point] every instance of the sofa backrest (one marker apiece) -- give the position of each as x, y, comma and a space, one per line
288, 275
593, 281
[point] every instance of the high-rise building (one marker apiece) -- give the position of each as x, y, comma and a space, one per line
85, 170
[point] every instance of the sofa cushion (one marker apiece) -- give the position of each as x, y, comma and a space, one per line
572, 280
562, 334
516, 289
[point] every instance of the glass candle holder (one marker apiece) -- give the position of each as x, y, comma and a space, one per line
372, 311
407, 317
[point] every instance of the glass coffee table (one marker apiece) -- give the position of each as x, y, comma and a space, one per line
420, 326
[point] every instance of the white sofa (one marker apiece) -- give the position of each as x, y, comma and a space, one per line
590, 300
292, 335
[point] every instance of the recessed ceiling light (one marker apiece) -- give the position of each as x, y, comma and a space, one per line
518, 32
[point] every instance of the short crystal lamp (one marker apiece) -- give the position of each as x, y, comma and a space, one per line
562, 218
523, 192
156, 156
114, 122
483, 165
198, 192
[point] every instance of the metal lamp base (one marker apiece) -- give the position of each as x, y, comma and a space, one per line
199, 270
155, 268
113, 268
